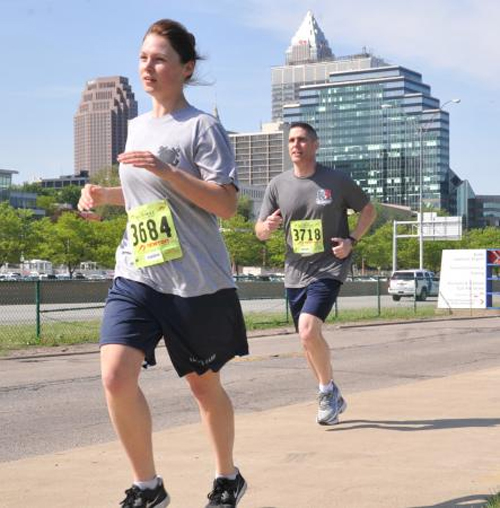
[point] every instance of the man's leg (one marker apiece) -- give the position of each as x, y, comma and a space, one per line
217, 415
331, 402
315, 346
127, 406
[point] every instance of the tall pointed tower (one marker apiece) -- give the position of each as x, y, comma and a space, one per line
309, 44
310, 61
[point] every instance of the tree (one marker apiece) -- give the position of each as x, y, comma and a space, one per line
245, 207
376, 248
275, 249
243, 246
48, 203
69, 241
70, 195
15, 233
108, 177
106, 236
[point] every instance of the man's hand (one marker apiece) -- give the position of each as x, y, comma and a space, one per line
265, 228
341, 247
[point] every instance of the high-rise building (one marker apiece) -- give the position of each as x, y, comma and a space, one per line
101, 122
380, 123
261, 155
309, 60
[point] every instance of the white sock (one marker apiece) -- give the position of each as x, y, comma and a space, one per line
326, 388
149, 484
228, 476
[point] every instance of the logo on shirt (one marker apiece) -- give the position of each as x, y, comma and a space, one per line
169, 155
323, 197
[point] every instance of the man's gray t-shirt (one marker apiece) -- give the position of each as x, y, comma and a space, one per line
196, 143
326, 195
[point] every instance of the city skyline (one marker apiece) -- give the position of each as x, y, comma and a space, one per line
47, 63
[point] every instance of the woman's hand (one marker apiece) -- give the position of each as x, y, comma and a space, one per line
90, 197
145, 160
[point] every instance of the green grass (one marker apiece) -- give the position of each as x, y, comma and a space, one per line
52, 334
14, 337
493, 502
262, 321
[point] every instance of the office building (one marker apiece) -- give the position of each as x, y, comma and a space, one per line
309, 60
6, 183
261, 155
15, 198
78, 180
487, 211
100, 124
478, 211
372, 121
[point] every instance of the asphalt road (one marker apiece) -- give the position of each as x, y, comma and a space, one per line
52, 403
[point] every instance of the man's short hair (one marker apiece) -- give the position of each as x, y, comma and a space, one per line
307, 127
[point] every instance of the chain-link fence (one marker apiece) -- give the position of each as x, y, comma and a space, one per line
50, 311
70, 311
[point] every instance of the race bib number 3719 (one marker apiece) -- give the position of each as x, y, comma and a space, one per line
152, 233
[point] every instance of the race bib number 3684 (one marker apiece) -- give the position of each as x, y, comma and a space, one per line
152, 232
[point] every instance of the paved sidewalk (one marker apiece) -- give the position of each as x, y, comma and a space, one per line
432, 444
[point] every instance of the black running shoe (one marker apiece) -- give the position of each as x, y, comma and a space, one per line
148, 498
227, 493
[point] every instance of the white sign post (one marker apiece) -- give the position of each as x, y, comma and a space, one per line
462, 282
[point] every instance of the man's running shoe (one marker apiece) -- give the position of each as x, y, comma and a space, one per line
331, 404
227, 493
148, 498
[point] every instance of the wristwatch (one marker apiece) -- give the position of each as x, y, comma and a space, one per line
353, 240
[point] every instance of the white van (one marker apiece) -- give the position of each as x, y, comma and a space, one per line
402, 283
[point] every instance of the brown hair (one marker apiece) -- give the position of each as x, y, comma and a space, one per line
182, 41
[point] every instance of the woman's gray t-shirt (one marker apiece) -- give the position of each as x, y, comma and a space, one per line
196, 143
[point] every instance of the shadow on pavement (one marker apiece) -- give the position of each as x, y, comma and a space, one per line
415, 425
476, 501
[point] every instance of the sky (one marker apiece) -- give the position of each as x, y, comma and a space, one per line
49, 49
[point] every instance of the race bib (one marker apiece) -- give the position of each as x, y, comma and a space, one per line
151, 231
307, 236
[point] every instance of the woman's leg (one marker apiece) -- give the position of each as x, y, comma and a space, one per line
127, 406
217, 414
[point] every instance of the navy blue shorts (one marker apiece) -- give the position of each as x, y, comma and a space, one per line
201, 333
317, 299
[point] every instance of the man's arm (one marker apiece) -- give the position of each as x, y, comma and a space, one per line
265, 228
365, 220
342, 247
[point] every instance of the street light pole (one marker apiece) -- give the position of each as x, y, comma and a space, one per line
422, 129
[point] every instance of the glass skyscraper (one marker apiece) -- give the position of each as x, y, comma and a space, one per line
380, 123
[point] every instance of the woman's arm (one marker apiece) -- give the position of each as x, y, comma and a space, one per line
96, 195
220, 200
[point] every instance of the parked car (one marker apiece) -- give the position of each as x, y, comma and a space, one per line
47, 276
402, 283
12, 276
96, 276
